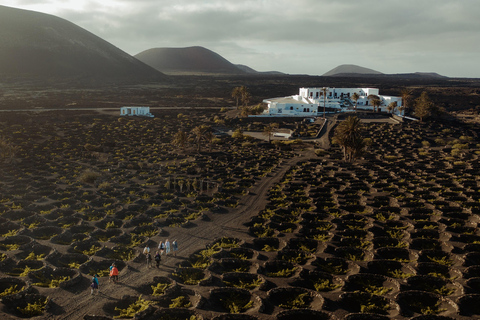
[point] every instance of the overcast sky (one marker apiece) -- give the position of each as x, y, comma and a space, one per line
296, 37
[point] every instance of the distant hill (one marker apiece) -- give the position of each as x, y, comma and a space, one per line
430, 75
42, 45
249, 70
350, 69
190, 60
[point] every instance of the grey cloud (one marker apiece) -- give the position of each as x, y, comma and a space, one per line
391, 31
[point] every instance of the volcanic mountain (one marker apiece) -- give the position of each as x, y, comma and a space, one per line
190, 60
41, 45
351, 69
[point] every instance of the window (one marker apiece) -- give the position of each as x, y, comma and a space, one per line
291, 108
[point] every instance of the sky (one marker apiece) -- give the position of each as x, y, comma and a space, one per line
295, 37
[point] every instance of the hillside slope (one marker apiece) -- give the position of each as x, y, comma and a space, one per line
350, 69
189, 60
42, 45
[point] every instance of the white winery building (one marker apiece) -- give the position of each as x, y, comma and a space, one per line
136, 111
310, 101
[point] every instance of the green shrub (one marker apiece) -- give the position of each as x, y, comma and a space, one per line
284, 273
11, 290
227, 242
88, 252
159, 289
34, 309
268, 248
325, 285
244, 285
33, 256
122, 253
180, 302
134, 308
189, 276
54, 282
300, 301
236, 303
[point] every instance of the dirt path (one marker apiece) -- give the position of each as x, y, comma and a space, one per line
77, 305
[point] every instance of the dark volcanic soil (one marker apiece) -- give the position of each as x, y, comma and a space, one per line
271, 231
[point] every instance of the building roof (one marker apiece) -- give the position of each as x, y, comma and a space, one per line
290, 99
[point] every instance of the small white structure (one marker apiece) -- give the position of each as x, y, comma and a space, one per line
284, 135
310, 101
136, 111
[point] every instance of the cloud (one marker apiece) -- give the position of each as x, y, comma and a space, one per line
408, 34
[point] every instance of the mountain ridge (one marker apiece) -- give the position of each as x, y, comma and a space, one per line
43, 45
350, 69
194, 59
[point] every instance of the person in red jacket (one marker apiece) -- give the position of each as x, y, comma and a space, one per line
114, 274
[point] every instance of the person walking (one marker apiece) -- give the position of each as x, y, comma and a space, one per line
94, 286
149, 260
174, 247
114, 273
161, 247
110, 271
167, 247
158, 258
146, 249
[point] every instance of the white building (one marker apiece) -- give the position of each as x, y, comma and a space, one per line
136, 111
310, 101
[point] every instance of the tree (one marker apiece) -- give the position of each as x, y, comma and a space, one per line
246, 111
355, 96
406, 94
269, 130
392, 106
374, 101
348, 135
180, 139
423, 106
245, 96
238, 134
200, 133
237, 94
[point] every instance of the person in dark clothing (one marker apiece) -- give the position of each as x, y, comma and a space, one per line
94, 285
158, 258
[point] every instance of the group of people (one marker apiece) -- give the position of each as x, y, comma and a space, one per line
164, 248
113, 278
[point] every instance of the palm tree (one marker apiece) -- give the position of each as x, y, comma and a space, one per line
200, 134
245, 95
180, 139
355, 96
392, 106
348, 135
237, 94
324, 91
375, 101
406, 94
